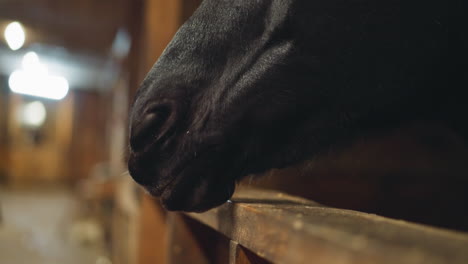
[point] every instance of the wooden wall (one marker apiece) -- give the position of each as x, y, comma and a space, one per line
38, 155
80, 120
160, 21
65, 149
88, 138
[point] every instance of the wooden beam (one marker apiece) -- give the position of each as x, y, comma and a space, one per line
241, 255
286, 229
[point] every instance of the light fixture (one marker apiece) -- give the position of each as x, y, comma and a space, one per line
34, 80
31, 63
33, 114
122, 43
14, 35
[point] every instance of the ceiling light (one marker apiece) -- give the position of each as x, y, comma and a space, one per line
14, 35
34, 80
33, 114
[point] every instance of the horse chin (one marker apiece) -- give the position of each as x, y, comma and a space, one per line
185, 195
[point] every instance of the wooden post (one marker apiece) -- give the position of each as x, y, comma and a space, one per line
161, 19
151, 246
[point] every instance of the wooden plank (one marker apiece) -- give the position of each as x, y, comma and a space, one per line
241, 255
152, 232
153, 23
182, 245
285, 229
192, 242
88, 140
161, 21
126, 222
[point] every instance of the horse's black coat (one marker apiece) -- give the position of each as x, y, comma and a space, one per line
249, 85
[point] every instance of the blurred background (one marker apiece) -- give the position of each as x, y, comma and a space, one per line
67, 72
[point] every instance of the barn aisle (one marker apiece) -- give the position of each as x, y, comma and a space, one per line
46, 226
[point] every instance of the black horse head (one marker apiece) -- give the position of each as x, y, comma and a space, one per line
246, 86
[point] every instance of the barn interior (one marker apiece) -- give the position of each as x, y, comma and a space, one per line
68, 73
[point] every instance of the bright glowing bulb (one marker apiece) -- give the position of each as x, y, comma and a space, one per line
58, 87
14, 35
31, 63
51, 87
33, 114
34, 80
30, 58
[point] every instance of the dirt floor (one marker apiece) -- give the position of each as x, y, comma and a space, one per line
47, 226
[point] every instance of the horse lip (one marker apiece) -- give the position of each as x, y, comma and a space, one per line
207, 202
178, 172
159, 190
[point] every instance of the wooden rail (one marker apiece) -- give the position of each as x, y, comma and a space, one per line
268, 227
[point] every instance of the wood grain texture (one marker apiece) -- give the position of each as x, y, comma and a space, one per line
286, 229
241, 255
152, 232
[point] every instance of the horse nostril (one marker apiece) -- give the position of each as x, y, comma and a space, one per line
151, 127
